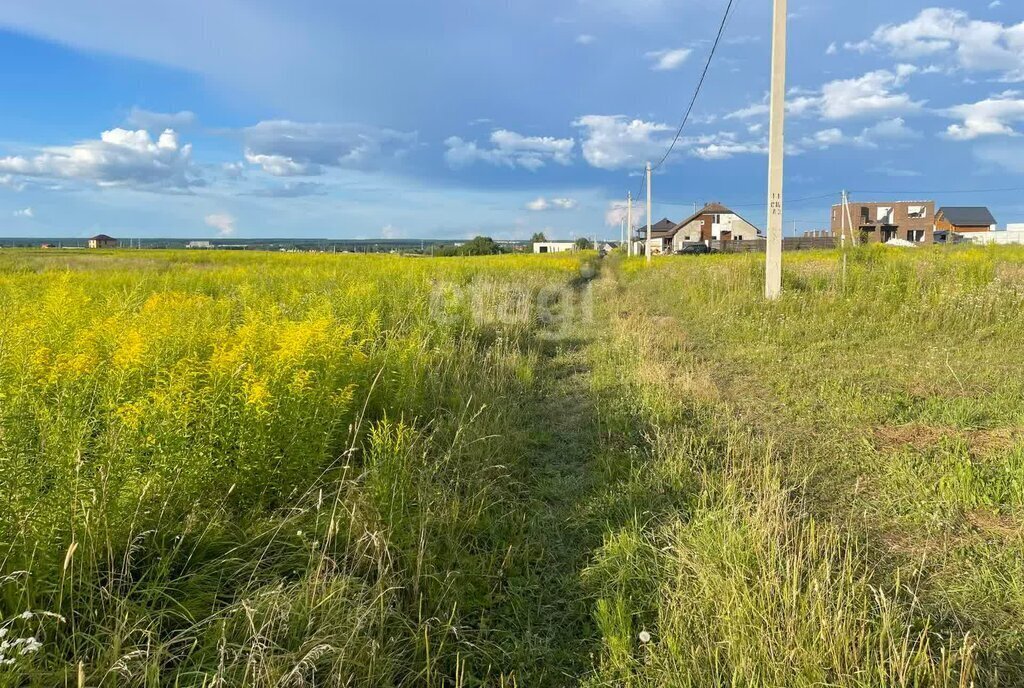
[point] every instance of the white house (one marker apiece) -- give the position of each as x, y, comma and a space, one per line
553, 246
713, 222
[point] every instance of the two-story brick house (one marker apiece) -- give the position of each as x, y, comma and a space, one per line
881, 222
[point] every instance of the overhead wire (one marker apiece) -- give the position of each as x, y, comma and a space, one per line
700, 85
696, 94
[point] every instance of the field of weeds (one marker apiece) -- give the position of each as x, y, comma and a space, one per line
224, 469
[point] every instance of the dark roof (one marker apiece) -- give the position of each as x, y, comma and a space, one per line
660, 227
968, 217
102, 237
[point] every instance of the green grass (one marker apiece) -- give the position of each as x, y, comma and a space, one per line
236, 469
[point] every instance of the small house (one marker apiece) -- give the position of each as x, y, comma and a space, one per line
553, 246
102, 241
713, 222
965, 220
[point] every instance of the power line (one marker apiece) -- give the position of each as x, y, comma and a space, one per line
938, 193
760, 205
700, 84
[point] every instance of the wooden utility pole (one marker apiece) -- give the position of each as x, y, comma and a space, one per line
776, 154
649, 249
629, 222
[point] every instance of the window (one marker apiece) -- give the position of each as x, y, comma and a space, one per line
916, 235
885, 215
917, 212
865, 215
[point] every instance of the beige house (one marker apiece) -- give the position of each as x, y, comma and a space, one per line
713, 222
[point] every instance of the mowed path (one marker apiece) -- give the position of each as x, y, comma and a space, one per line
553, 634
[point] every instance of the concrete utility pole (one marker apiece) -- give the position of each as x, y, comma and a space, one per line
649, 256
629, 222
776, 154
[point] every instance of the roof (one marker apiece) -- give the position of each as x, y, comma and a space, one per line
968, 216
661, 227
102, 237
713, 209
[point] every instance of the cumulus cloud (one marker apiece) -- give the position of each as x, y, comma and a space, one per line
541, 204
613, 142
222, 222
872, 94
509, 149
585, 39
25, 212
284, 148
990, 117
666, 60
974, 45
158, 121
887, 131
120, 157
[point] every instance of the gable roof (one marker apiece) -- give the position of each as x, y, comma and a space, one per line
968, 216
102, 237
658, 228
712, 209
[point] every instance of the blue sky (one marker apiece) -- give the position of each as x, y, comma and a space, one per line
451, 118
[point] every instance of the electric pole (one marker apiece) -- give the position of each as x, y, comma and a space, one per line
776, 154
629, 222
649, 256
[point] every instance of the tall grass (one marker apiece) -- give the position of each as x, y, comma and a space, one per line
853, 456
258, 470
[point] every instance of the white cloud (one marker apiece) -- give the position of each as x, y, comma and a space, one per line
974, 45
749, 112
888, 131
8, 181
541, 204
510, 149
158, 121
618, 211
832, 49
25, 212
222, 222
666, 60
612, 142
284, 148
874, 93
290, 190
990, 117
233, 170
391, 232
119, 158
724, 145
871, 94
585, 39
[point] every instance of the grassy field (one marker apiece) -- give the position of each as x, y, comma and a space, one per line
285, 470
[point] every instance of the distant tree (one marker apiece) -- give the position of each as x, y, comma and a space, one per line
479, 246
538, 238
584, 244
